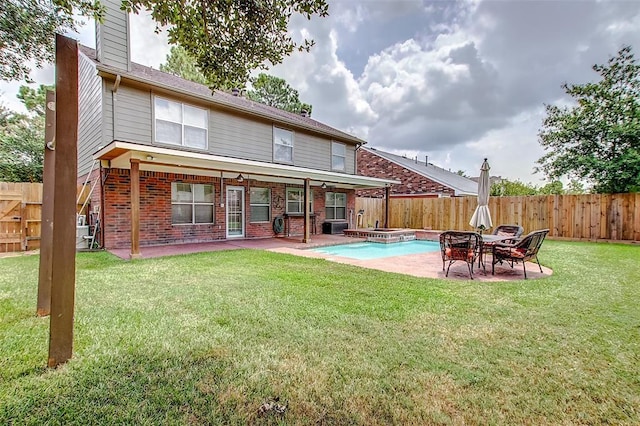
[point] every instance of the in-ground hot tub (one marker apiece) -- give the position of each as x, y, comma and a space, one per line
382, 235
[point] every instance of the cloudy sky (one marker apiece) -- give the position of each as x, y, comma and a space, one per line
454, 81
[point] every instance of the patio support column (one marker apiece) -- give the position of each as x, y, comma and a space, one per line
387, 207
135, 209
307, 202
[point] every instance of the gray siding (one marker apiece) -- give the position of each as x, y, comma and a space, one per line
112, 36
89, 114
234, 136
230, 135
311, 151
133, 119
351, 160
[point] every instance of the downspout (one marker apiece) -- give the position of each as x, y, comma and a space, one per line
355, 158
114, 98
104, 173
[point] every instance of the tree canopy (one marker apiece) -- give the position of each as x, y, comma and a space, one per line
22, 138
506, 188
27, 29
276, 92
228, 39
179, 63
266, 89
598, 139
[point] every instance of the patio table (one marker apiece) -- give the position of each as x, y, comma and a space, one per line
490, 238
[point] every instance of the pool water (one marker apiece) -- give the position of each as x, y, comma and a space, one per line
368, 251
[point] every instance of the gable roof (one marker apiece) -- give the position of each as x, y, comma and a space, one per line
460, 184
153, 77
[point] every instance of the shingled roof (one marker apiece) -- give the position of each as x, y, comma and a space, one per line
165, 80
460, 184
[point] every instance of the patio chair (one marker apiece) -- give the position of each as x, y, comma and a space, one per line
509, 230
521, 251
459, 245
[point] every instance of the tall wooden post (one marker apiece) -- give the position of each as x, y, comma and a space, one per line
63, 273
46, 224
307, 202
387, 207
135, 208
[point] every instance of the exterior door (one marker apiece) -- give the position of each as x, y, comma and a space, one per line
235, 212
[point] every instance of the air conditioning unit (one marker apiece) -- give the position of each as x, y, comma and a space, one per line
334, 227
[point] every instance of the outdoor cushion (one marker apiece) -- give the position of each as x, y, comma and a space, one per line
511, 252
459, 253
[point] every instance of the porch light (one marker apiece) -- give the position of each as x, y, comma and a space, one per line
240, 178
323, 186
149, 157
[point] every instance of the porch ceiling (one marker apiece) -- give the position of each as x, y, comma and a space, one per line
152, 158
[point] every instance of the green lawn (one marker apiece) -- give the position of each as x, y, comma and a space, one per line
208, 338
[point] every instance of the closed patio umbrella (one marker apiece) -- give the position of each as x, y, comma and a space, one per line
481, 218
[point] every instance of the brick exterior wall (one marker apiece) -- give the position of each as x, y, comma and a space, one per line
414, 184
155, 209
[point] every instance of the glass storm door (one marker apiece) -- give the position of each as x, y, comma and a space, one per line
235, 212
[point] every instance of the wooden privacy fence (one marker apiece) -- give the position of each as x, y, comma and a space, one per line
589, 216
20, 215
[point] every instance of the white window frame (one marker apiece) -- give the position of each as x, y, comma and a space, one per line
194, 203
333, 205
267, 205
335, 154
278, 133
300, 203
182, 124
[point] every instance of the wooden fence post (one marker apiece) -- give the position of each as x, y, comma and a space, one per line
63, 274
46, 224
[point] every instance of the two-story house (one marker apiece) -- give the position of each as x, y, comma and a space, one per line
177, 163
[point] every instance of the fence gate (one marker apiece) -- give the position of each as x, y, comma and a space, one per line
11, 222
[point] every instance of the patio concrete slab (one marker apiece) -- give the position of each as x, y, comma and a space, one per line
427, 265
147, 252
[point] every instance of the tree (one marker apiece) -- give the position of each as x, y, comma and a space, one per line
575, 187
181, 64
27, 28
227, 39
552, 188
276, 92
505, 188
22, 138
598, 139
267, 89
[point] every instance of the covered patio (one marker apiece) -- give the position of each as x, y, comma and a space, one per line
137, 199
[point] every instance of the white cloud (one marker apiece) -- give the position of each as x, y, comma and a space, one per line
470, 81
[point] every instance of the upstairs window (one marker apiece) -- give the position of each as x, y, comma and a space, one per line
191, 203
260, 202
335, 204
282, 145
295, 201
338, 156
180, 124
